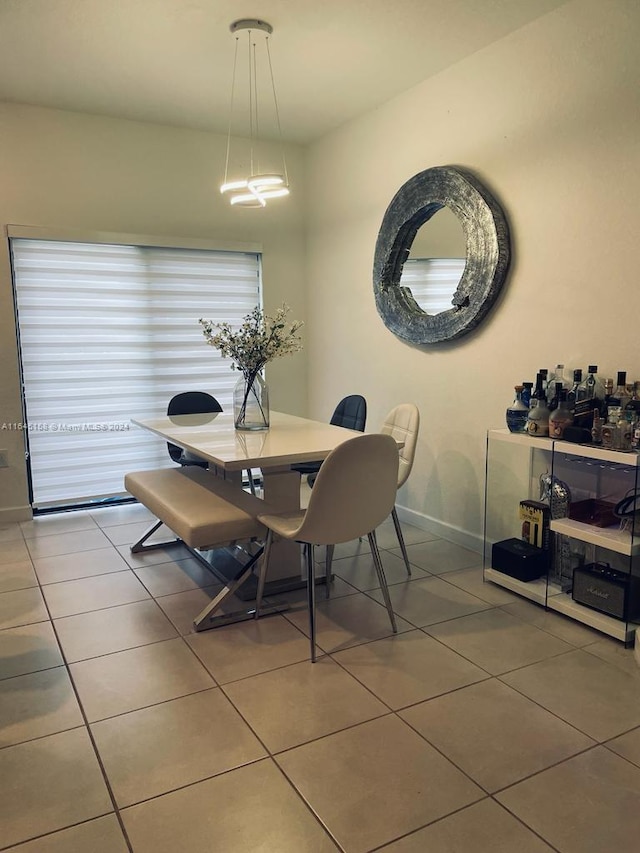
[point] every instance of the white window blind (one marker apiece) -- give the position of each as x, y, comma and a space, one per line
108, 332
433, 281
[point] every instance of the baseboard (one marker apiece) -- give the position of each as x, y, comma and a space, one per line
472, 541
15, 513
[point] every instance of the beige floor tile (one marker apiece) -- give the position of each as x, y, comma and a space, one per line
477, 727
588, 804
497, 641
301, 702
61, 522
412, 535
408, 668
248, 648
596, 698
48, 784
14, 551
38, 704
439, 556
484, 827
627, 745
101, 835
67, 543
430, 600
87, 594
553, 623
354, 548
85, 564
124, 514
153, 557
127, 534
22, 607
297, 598
180, 576
183, 607
249, 809
347, 621
360, 571
17, 576
471, 580
133, 679
89, 635
167, 746
28, 648
613, 652
10, 532
408, 783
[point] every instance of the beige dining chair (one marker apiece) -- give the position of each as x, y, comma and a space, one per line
403, 423
353, 493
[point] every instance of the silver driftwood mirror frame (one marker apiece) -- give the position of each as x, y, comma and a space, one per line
488, 254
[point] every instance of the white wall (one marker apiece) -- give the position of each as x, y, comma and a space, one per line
67, 170
549, 119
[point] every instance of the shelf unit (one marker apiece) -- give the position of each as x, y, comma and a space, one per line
515, 463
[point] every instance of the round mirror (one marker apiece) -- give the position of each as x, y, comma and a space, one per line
472, 287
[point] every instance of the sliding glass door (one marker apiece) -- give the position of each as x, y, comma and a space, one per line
108, 332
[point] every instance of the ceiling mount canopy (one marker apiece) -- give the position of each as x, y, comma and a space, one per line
253, 185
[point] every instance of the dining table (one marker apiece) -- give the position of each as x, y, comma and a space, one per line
289, 441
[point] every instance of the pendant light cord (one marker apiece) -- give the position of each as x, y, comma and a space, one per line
233, 88
275, 102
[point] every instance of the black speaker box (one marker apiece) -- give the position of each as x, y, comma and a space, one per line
607, 590
520, 560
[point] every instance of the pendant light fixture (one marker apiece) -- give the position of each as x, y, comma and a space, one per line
256, 188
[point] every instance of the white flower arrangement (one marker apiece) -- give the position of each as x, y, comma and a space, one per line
259, 339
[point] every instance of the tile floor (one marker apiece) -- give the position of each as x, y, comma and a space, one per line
484, 725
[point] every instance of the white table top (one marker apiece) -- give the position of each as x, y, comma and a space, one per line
289, 440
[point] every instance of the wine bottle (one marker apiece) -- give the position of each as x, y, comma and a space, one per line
538, 418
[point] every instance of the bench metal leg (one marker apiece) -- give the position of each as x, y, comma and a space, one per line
139, 546
207, 619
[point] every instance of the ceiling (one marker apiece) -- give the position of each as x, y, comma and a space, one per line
170, 61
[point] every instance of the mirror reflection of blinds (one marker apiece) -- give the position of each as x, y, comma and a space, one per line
433, 281
108, 332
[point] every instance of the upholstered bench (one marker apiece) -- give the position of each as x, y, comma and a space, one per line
203, 511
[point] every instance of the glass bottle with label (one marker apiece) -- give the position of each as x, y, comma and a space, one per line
572, 396
517, 413
555, 396
561, 417
538, 419
556, 376
592, 388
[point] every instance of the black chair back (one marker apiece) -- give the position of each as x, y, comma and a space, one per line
351, 412
190, 403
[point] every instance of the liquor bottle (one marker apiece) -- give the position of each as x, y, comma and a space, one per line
538, 419
634, 403
517, 413
596, 429
540, 391
544, 373
556, 376
572, 396
527, 388
592, 387
555, 397
620, 396
562, 416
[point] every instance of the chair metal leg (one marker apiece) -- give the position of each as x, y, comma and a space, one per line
264, 566
311, 598
396, 524
327, 569
383, 581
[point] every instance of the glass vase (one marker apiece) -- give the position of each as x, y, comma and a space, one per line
251, 403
